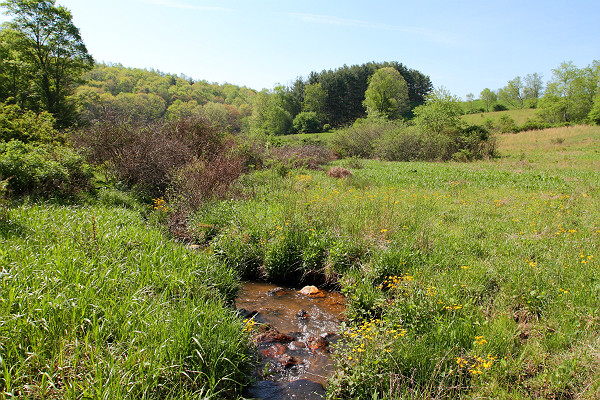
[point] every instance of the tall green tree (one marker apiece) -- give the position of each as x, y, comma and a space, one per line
533, 88
513, 93
315, 98
45, 40
488, 97
387, 94
440, 114
570, 94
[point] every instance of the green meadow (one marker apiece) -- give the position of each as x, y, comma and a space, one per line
463, 280
520, 116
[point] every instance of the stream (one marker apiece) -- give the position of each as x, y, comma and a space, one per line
293, 333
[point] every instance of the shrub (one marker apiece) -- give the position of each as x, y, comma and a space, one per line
307, 121
400, 145
188, 156
499, 107
506, 124
199, 180
25, 125
4, 212
43, 169
533, 125
359, 139
338, 172
307, 156
474, 142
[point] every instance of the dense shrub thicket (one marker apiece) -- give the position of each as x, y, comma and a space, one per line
32, 160
45, 170
397, 141
188, 156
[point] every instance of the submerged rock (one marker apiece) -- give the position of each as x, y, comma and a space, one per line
318, 344
302, 314
273, 336
276, 350
276, 291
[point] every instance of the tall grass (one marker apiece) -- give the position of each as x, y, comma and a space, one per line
96, 304
463, 280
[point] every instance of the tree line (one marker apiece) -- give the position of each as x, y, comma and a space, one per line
572, 95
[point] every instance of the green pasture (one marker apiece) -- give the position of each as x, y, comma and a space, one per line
519, 115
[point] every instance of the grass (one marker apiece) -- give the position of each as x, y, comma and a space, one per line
96, 304
463, 280
519, 115
300, 138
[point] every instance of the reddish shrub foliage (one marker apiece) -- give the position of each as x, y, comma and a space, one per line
308, 156
338, 172
189, 157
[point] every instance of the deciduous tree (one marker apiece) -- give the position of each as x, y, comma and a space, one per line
50, 45
533, 88
387, 94
570, 94
513, 94
315, 98
440, 113
488, 97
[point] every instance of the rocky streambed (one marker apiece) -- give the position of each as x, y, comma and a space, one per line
293, 330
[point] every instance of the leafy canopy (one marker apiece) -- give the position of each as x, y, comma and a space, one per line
43, 42
387, 94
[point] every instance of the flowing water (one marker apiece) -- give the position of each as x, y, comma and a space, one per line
295, 352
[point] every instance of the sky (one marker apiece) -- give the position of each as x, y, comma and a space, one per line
465, 46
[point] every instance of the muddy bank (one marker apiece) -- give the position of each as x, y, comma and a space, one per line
293, 331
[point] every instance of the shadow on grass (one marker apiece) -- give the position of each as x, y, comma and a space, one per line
10, 229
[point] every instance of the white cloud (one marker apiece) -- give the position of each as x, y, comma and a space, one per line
176, 4
427, 34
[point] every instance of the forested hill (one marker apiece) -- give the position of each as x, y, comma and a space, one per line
335, 95
151, 95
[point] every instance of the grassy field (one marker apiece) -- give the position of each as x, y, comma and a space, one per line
464, 280
519, 115
97, 304
300, 138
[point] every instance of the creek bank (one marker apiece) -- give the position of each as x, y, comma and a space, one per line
293, 333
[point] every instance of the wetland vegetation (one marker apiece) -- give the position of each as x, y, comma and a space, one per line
134, 204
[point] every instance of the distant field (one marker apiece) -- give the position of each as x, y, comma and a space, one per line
520, 116
307, 137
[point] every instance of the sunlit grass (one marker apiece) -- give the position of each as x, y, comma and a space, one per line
96, 304
519, 115
501, 256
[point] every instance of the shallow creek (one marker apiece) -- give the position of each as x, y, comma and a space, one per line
294, 348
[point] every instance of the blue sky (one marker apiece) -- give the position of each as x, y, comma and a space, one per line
462, 45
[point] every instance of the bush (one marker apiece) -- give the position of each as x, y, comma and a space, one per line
506, 124
400, 145
25, 125
42, 169
499, 107
306, 122
188, 156
308, 156
395, 141
533, 125
359, 139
